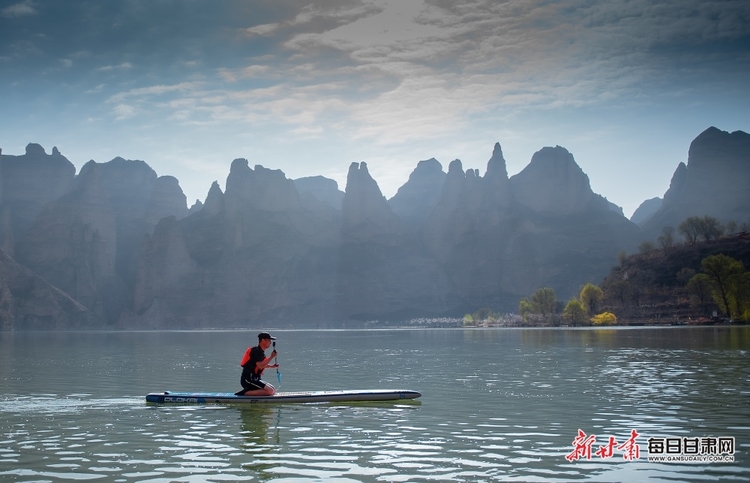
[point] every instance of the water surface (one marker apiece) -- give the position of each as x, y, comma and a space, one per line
497, 405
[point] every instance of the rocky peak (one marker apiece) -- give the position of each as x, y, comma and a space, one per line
496, 166
552, 183
214, 200
322, 189
36, 150
455, 213
27, 183
717, 176
497, 194
646, 210
418, 196
167, 199
714, 146
260, 188
676, 184
366, 214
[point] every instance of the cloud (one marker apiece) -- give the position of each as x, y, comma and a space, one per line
123, 111
262, 30
27, 7
432, 64
109, 68
393, 72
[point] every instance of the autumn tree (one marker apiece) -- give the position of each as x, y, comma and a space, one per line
591, 296
605, 318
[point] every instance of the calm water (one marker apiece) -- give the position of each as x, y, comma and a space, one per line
497, 405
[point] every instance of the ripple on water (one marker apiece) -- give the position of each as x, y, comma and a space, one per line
509, 414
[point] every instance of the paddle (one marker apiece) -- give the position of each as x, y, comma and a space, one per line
278, 372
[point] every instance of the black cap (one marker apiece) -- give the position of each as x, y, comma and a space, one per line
265, 335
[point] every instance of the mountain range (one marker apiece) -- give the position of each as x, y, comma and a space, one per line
116, 246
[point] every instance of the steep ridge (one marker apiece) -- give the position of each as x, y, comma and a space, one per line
714, 182
119, 241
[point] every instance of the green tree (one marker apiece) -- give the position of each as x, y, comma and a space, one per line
727, 276
469, 321
544, 302
525, 308
622, 257
574, 312
483, 314
591, 296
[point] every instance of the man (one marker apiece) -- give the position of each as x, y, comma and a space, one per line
253, 364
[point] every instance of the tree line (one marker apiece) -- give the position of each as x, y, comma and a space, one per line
659, 281
543, 307
693, 229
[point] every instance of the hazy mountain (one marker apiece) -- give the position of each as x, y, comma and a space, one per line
714, 182
116, 246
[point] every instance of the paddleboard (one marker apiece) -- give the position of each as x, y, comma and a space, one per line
281, 397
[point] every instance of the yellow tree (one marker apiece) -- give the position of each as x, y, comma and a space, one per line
591, 296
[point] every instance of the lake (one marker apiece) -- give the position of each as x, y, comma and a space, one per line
496, 405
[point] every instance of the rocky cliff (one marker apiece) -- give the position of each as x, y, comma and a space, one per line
116, 244
29, 302
714, 182
84, 237
27, 183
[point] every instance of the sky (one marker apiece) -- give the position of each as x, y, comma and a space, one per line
310, 87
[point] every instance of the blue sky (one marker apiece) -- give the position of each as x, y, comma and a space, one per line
310, 87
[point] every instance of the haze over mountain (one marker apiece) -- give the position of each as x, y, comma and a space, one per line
116, 246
